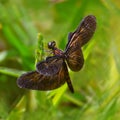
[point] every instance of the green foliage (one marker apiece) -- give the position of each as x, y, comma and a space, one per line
96, 86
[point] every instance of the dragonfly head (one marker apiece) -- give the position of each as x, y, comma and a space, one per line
51, 45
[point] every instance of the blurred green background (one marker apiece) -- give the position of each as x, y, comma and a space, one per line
97, 85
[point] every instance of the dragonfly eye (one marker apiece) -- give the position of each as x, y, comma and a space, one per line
51, 45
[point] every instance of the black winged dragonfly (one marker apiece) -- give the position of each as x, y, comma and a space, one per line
52, 72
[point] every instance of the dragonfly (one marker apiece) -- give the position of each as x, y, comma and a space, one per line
52, 72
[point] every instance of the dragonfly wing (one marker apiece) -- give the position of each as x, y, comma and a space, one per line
50, 66
76, 40
83, 33
75, 59
37, 81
